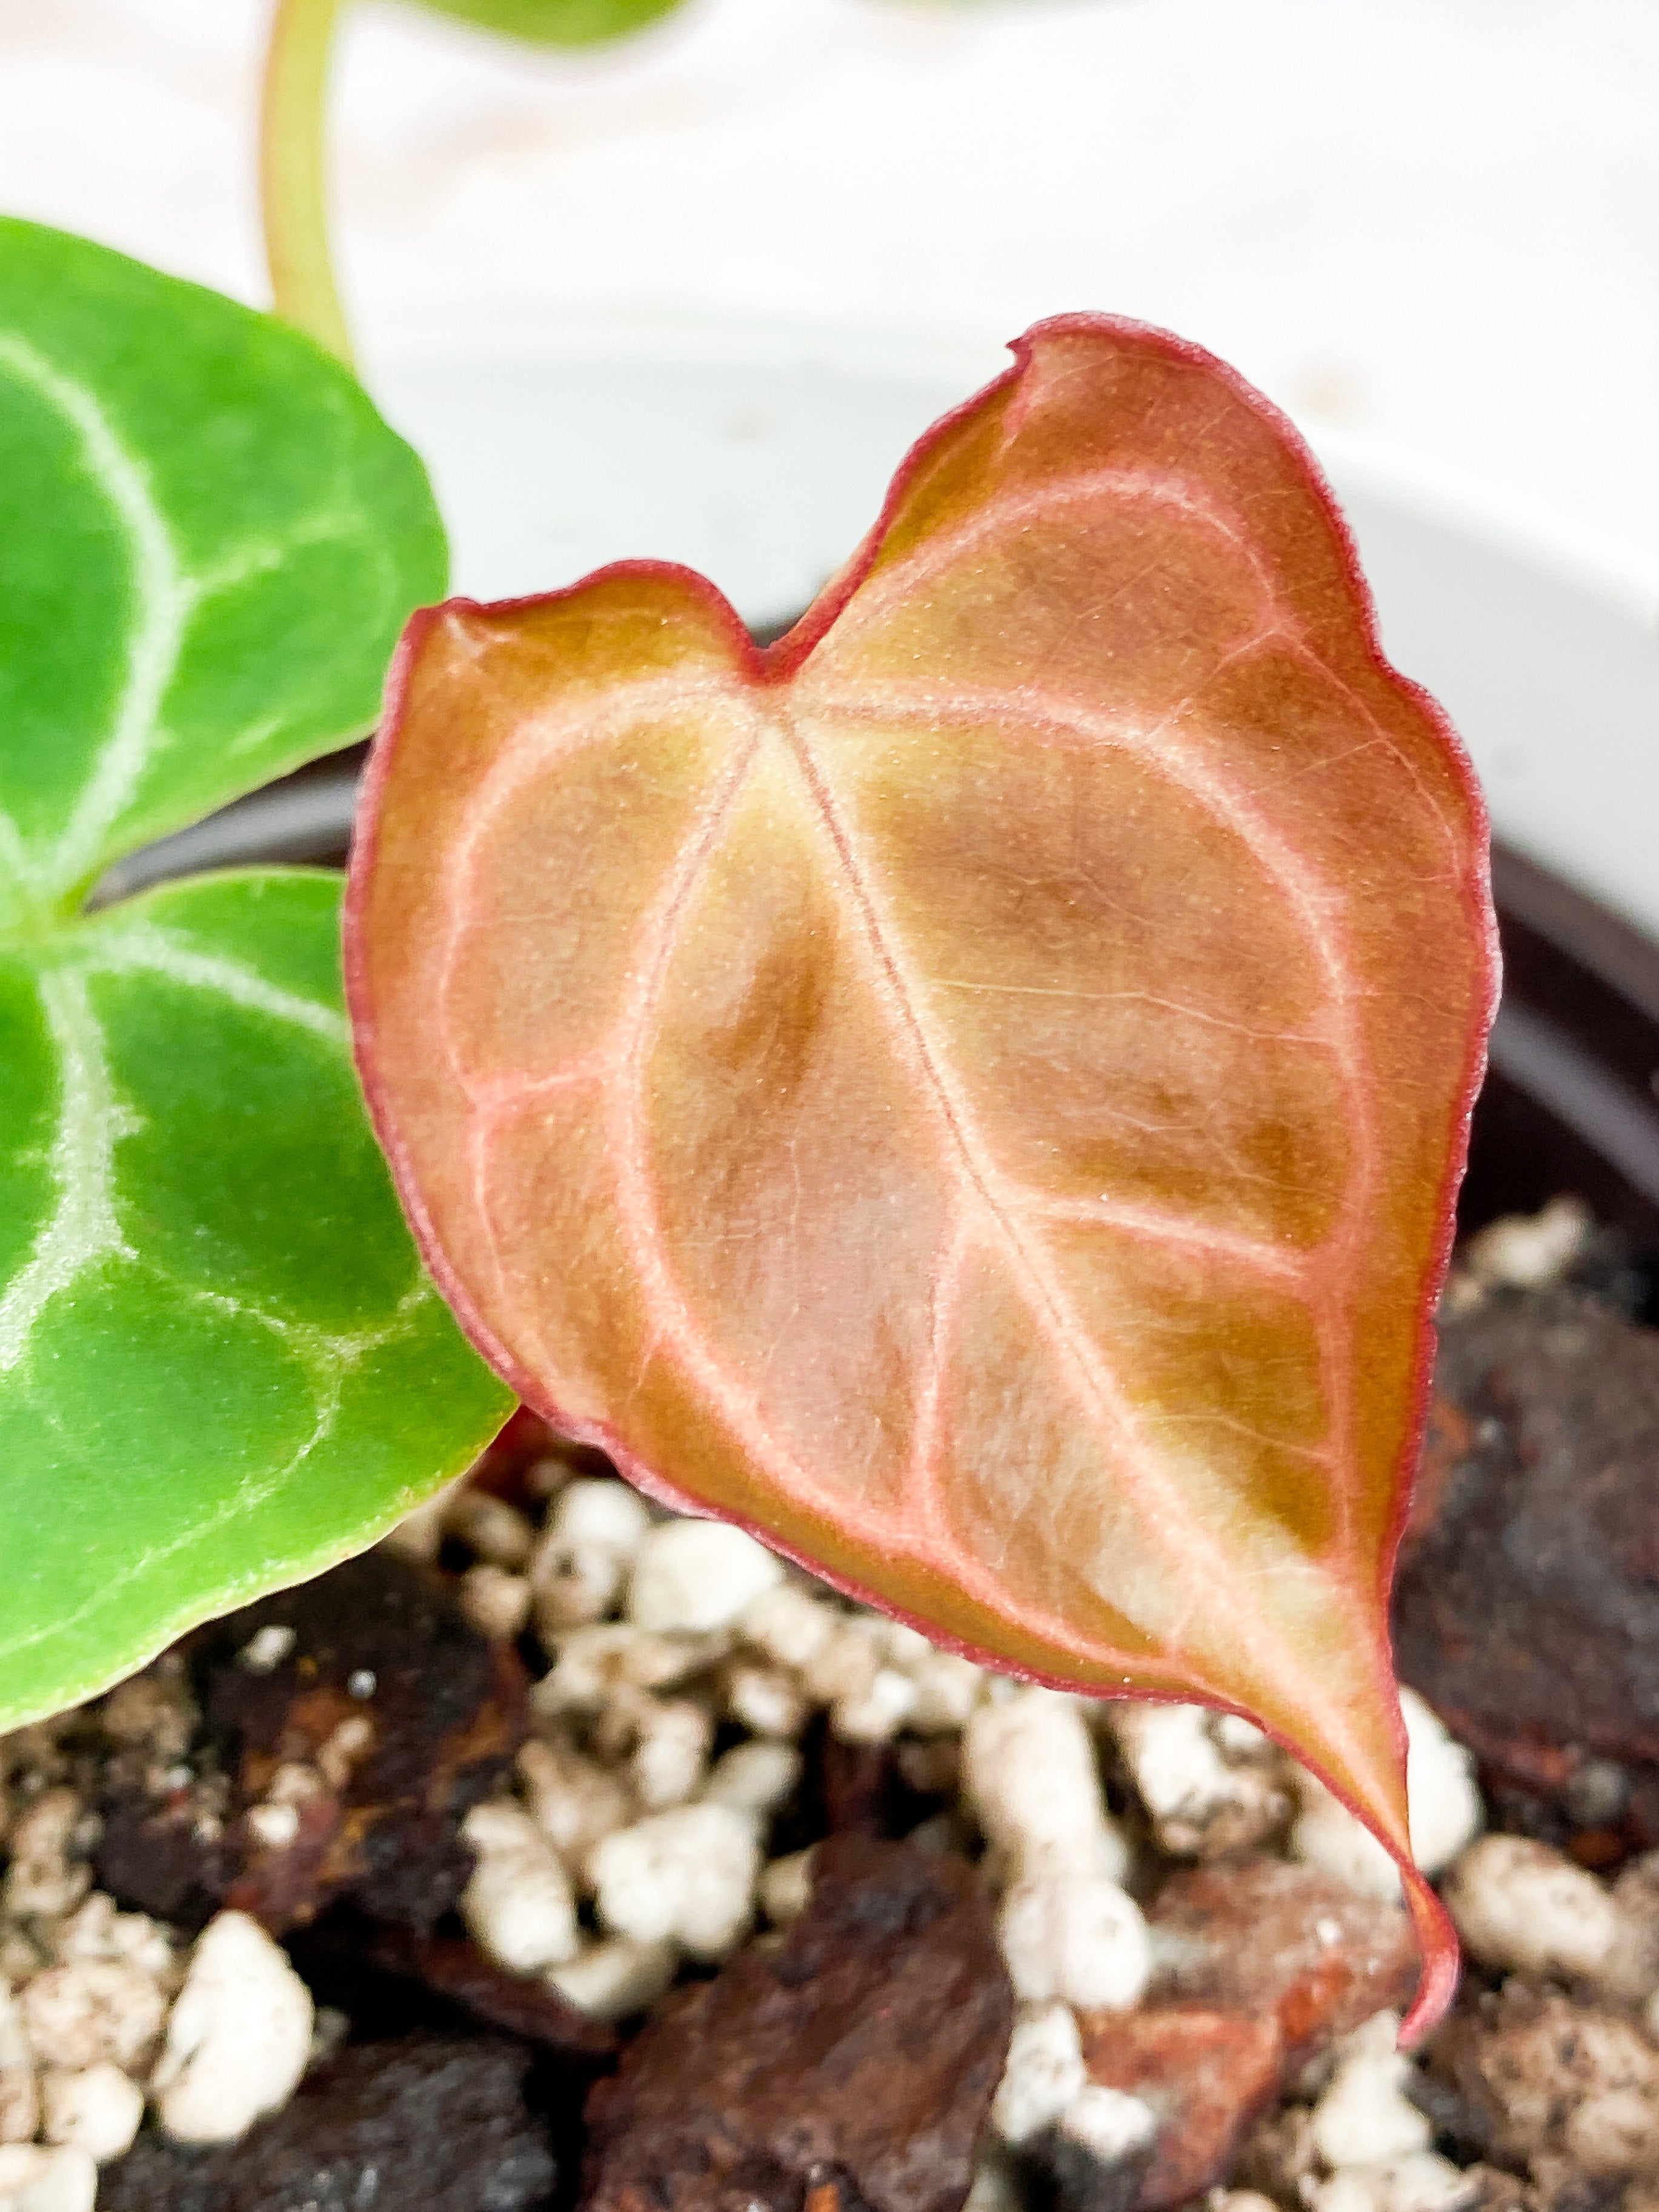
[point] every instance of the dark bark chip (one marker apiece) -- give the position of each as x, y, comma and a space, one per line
1527, 1608
1206, 2074
371, 1690
1259, 1936
423, 2125
851, 2064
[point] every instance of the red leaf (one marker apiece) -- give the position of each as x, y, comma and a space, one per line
975, 1092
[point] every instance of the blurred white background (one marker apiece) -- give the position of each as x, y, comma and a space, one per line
1430, 223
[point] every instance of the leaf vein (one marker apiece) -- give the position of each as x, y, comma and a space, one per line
1207, 1573
140, 947
163, 597
83, 1228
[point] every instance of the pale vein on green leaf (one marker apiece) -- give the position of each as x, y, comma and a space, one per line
140, 947
259, 1484
163, 597
84, 1229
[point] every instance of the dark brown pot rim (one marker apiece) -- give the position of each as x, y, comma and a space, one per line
1571, 1102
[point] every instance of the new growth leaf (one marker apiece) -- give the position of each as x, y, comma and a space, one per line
975, 1093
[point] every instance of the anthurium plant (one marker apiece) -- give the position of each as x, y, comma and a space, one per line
221, 1366
974, 1092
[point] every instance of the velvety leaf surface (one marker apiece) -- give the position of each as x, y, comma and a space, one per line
558, 22
975, 1093
215, 543
221, 1366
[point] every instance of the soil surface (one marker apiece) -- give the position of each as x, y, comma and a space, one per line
610, 1866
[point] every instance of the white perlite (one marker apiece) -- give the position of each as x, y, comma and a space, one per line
1210, 1783
496, 1601
947, 1690
43, 1879
613, 1980
97, 2108
1364, 2117
596, 1663
686, 1877
693, 1575
1440, 1794
419, 1535
490, 1527
672, 1737
20, 2102
1029, 1773
273, 1827
1523, 1907
238, 2036
1076, 1938
1528, 1251
98, 1930
1327, 1836
266, 1650
1043, 2073
786, 1887
753, 1777
1422, 2181
35, 2180
518, 1903
787, 1624
878, 1712
767, 1700
92, 2011
1110, 2124
843, 1669
601, 1510
579, 1567
572, 1800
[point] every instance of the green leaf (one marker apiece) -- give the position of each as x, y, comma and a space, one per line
221, 1366
558, 22
215, 541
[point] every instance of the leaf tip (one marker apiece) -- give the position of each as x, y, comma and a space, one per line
1442, 1960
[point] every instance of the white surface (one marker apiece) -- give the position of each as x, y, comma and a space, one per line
1434, 223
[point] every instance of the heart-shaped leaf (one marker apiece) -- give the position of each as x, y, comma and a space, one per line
558, 22
221, 1363
975, 1092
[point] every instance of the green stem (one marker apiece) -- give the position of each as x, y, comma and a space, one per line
292, 171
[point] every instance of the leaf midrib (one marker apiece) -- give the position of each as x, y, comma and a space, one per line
36, 888
163, 597
1182, 1532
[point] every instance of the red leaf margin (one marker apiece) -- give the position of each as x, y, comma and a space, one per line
770, 665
